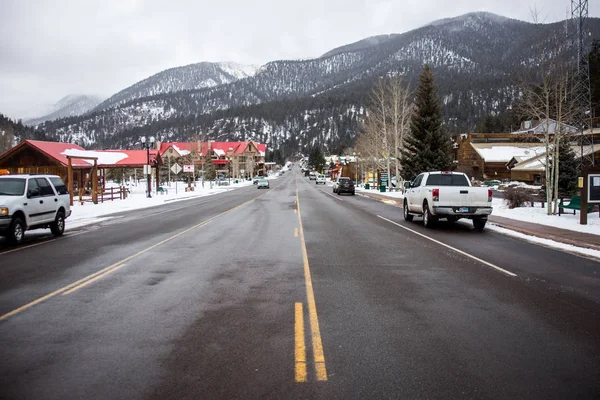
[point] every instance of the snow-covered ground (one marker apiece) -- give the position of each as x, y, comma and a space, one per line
88, 213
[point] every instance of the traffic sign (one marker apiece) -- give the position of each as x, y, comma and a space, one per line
176, 168
188, 168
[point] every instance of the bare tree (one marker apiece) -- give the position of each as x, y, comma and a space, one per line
548, 98
400, 109
387, 121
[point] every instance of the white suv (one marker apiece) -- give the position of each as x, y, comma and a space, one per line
321, 179
32, 202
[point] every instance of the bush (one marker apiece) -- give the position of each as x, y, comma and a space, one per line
516, 197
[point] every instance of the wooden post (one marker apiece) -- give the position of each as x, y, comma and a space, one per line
70, 179
95, 182
157, 176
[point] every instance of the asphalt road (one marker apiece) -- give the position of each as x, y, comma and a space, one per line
294, 292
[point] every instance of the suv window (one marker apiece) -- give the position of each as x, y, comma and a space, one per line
31, 186
45, 188
447, 180
12, 187
59, 185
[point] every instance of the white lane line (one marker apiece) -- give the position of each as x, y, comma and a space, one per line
329, 194
451, 248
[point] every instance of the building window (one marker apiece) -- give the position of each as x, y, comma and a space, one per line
242, 159
537, 179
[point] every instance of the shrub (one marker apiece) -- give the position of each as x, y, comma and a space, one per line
516, 197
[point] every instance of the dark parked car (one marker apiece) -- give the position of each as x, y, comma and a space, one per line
344, 185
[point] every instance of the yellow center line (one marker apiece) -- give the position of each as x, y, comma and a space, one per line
295, 232
312, 308
300, 348
93, 280
123, 261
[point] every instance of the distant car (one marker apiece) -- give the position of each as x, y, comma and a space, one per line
321, 179
312, 176
256, 179
262, 183
343, 185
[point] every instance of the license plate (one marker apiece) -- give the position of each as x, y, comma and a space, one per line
463, 209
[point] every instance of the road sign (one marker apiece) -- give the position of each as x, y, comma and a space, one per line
188, 168
176, 168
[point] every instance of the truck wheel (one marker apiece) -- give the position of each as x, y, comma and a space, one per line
428, 219
17, 232
479, 224
58, 226
407, 216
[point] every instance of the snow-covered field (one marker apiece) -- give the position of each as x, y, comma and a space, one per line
88, 213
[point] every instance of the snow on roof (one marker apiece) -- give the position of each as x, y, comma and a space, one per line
180, 151
219, 152
104, 157
504, 152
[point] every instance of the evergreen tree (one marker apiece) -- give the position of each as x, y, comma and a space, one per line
316, 159
210, 174
568, 170
427, 147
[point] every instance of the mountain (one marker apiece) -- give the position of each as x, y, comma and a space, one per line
476, 60
69, 106
190, 77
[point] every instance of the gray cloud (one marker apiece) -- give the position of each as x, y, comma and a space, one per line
49, 49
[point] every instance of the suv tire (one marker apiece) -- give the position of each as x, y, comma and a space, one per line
16, 235
58, 226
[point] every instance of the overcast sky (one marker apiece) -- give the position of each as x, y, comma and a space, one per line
52, 48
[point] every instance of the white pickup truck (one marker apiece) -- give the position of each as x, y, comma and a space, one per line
447, 194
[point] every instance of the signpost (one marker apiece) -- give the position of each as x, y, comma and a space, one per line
383, 177
176, 168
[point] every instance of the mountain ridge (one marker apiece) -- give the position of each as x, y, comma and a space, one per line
474, 58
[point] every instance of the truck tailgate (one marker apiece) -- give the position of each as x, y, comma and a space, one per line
463, 196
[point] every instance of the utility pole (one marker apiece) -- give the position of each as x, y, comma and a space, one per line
583, 97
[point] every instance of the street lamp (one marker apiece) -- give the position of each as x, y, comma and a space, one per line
147, 143
355, 167
229, 168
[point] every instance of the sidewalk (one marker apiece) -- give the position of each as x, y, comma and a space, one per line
566, 236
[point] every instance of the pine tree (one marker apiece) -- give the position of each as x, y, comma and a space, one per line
316, 159
210, 174
568, 171
427, 147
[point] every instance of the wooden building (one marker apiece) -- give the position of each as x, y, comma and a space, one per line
486, 156
40, 157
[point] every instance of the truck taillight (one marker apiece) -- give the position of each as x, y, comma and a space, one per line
490, 194
435, 193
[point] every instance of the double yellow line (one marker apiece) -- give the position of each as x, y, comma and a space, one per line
317, 344
118, 265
